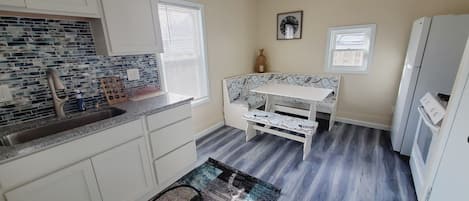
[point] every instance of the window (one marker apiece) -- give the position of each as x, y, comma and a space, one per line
184, 67
350, 48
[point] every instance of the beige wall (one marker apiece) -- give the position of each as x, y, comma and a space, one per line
233, 35
231, 45
369, 97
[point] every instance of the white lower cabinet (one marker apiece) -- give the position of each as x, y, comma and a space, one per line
124, 173
172, 164
116, 164
75, 183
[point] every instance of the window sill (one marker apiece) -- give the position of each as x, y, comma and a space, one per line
344, 71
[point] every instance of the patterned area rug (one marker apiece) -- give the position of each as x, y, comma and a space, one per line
216, 181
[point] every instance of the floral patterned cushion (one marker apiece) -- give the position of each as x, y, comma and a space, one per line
239, 87
235, 86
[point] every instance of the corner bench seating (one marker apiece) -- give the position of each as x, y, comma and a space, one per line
268, 119
238, 99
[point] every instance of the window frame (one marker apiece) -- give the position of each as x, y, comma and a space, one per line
192, 5
331, 35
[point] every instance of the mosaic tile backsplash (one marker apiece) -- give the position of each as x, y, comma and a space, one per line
29, 46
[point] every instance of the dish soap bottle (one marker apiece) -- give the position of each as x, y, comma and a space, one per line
80, 101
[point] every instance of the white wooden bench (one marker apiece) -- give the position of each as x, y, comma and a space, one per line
304, 127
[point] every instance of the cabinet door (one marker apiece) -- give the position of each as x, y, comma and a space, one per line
132, 26
72, 6
15, 3
124, 172
75, 183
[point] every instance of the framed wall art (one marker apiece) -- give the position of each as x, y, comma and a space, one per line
289, 25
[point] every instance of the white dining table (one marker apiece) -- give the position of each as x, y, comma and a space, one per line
310, 95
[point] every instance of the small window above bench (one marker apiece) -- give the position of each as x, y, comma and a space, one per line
350, 48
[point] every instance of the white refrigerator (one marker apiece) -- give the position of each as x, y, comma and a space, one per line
433, 57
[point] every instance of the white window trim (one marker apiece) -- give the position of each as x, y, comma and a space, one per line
328, 59
184, 3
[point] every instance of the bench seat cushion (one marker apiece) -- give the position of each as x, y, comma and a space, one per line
295, 124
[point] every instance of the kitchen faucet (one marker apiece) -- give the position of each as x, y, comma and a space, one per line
55, 83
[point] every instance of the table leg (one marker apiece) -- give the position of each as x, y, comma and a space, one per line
307, 146
268, 103
312, 111
250, 132
268, 106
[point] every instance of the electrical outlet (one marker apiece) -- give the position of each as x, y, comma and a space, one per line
5, 94
133, 74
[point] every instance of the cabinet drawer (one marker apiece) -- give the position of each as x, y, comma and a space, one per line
175, 162
171, 137
159, 120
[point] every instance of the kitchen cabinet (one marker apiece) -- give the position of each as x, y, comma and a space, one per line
172, 142
14, 3
75, 183
124, 173
121, 173
171, 137
127, 28
78, 8
87, 7
112, 164
42, 175
119, 27
165, 118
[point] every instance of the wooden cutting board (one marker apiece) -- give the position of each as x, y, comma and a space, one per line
114, 90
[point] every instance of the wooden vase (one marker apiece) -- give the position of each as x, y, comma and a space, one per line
261, 62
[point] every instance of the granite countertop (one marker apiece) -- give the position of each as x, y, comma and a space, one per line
134, 110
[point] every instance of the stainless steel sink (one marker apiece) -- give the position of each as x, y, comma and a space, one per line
58, 126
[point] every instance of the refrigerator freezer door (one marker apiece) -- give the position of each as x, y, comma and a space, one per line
443, 53
417, 41
415, 50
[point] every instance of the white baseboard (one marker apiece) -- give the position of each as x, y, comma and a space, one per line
209, 129
364, 123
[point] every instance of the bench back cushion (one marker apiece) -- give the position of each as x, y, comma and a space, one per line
239, 86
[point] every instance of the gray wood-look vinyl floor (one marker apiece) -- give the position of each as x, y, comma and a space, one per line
349, 163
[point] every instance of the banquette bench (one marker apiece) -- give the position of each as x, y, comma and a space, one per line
238, 99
